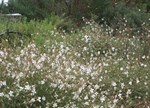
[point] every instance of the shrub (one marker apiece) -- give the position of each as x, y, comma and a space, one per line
120, 16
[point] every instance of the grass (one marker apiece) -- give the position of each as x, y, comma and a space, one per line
86, 68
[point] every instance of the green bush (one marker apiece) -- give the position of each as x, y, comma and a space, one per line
121, 17
85, 69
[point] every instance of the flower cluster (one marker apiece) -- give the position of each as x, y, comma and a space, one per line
92, 70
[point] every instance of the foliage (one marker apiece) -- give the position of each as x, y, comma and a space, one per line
83, 68
120, 16
33, 9
86, 68
3, 7
106, 11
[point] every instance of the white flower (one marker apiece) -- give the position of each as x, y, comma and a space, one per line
38, 66
145, 83
98, 52
27, 87
122, 85
39, 99
32, 55
55, 105
42, 59
42, 82
93, 96
126, 73
113, 84
115, 101
137, 80
128, 92
76, 96
68, 70
87, 38
97, 106
145, 65
10, 93
1, 94
130, 83
105, 64
121, 68
85, 49
20, 88
17, 59
86, 103
113, 48
143, 57
43, 98
86, 97
2, 83
2, 54
120, 95
32, 100
91, 90
96, 86
102, 99
33, 91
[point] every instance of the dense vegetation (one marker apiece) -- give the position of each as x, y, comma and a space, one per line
96, 55
111, 10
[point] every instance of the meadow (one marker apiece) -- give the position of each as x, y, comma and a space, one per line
83, 68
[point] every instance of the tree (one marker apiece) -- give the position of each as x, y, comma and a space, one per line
3, 7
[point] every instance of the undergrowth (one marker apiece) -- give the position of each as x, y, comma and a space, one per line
86, 68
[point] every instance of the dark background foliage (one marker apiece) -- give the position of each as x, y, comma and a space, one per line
110, 12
